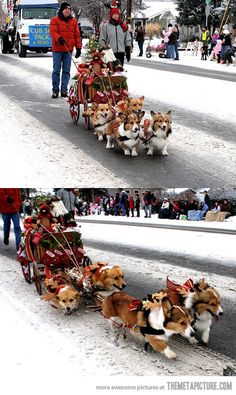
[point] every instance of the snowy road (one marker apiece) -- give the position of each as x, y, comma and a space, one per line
202, 146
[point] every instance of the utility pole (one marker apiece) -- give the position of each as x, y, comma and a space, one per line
129, 10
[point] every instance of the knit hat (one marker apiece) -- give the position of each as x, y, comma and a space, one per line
114, 11
64, 5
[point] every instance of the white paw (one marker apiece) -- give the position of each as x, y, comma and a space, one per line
134, 153
100, 138
108, 146
169, 353
165, 153
150, 152
192, 340
127, 152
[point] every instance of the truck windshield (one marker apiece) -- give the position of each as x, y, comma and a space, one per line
39, 13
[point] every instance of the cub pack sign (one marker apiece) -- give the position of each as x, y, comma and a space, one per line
39, 36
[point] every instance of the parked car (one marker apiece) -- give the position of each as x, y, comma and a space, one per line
87, 31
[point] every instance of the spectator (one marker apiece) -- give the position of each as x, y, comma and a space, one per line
65, 36
165, 209
131, 205
117, 204
226, 206
205, 36
147, 204
105, 204
166, 35
215, 36
226, 44
69, 200
198, 215
10, 206
216, 207
137, 204
207, 200
175, 212
124, 202
140, 37
115, 34
176, 27
172, 43
27, 207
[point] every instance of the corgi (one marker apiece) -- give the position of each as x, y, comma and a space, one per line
157, 133
61, 293
201, 300
154, 320
135, 105
65, 297
125, 130
102, 113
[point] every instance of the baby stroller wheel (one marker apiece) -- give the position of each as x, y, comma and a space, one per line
148, 55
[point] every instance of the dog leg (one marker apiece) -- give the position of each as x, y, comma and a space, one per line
205, 335
192, 340
109, 140
161, 346
134, 152
127, 152
150, 151
115, 332
164, 151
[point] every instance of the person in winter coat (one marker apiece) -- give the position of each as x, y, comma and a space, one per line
131, 205
10, 206
65, 36
115, 34
148, 201
165, 209
69, 200
137, 204
172, 43
140, 37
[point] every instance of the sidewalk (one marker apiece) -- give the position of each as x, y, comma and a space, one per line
215, 227
186, 58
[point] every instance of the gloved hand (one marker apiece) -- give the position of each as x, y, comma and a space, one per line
61, 41
78, 52
127, 53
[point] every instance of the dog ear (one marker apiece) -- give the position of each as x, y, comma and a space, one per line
168, 113
141, 115
110, 102
152, 113
141, 98
94, 106
122, 116
47, 297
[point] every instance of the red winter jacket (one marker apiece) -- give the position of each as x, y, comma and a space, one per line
67, 29
10, 200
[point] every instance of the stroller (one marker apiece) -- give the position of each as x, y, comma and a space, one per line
160, 49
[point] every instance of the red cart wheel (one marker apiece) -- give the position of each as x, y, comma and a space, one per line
87, 118
74, 105
37, 278
86, 261
26, 270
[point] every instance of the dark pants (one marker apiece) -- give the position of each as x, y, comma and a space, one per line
61, 60
138, 211
140, 45
121, 57
15, 218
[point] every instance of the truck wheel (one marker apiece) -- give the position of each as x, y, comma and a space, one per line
21, 49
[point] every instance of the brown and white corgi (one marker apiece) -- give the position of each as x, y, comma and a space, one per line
65, 297
135, 105
103, 113
157, 133
202, 301
125, 130
153, 320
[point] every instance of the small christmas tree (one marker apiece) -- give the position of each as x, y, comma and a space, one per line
92, 47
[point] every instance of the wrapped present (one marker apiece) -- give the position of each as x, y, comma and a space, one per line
100, 97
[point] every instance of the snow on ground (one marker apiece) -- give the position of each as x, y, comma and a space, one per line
200, 244
46, 152
43, 350
229, 224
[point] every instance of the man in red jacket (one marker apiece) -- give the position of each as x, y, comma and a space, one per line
10, 204
65, 36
